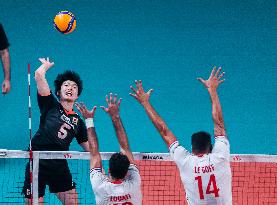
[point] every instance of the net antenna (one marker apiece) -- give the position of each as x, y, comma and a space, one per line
30, 133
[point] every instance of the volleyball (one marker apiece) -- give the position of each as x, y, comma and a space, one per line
65, 22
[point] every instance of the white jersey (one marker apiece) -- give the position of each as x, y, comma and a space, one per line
207, 179
121, 192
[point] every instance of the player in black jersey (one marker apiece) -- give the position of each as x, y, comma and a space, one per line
59, 124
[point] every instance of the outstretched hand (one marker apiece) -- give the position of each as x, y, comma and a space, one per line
113, 105
214, 80
46, 63
139, 94
84, 111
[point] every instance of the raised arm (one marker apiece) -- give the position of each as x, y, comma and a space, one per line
113, 110
143, 99
95, 157
42, 85
5, 57
212, 84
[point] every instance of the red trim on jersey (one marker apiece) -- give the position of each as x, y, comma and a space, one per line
118, 181
70, 112
170, 145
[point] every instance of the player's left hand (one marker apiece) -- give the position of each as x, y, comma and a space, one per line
6, 86
84, 111
139, 94
113, 105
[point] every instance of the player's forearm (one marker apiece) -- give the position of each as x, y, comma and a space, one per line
5, 56
93, 141
42, 84
120, 133
159, 123
122, 138
95, 159
217, 115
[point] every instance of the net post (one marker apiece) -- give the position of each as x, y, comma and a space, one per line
35, 177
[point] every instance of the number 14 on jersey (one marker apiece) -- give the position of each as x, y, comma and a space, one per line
211, 187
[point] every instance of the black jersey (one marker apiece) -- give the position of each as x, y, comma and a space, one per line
57, 127
3, 39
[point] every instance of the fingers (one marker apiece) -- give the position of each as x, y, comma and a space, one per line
6, 86
83, 106
213, 71
93, 109
4, 90
150, 92
114, 98
133, 89
51, 64
46, 61
79, 107
201, 80
104, 108
221, 75
119, 101
111, 98
42, 60
107, 99
217, 72
138, 84
133, 95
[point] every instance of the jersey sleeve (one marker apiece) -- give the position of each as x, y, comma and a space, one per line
98, 181
134, 175
82, 133
45, 103
4, 43
97, 178
178, 153
222, 148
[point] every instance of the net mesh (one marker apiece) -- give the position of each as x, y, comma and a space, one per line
11, 180
254, 178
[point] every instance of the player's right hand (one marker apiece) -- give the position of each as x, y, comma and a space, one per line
46, 63
113, 104
215, 79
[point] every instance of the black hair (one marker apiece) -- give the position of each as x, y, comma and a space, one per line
119, 164
201, 141
68, 75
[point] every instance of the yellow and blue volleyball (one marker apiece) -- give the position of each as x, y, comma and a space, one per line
65, 22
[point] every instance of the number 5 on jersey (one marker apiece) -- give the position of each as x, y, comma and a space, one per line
211, 188
63, 131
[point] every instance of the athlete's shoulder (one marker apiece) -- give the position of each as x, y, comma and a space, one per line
97, 178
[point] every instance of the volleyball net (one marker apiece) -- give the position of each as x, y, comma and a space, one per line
254, 177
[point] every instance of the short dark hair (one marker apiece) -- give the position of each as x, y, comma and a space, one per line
119, 164
201, 141
68, 75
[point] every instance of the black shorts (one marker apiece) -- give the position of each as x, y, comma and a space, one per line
58, 179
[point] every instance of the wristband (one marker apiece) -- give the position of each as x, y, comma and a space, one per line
89, 122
